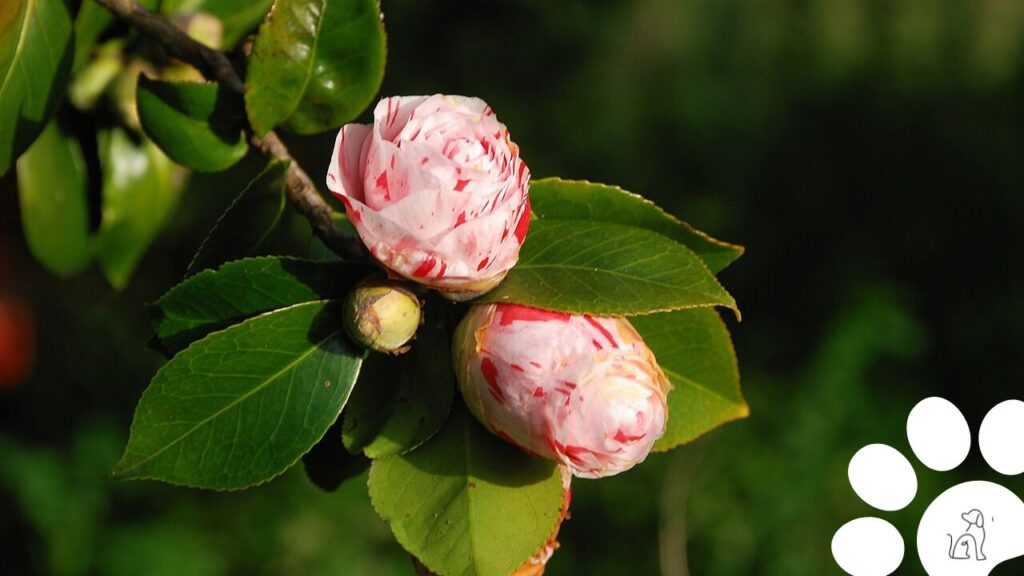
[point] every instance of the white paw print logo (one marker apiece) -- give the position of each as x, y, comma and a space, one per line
970, 528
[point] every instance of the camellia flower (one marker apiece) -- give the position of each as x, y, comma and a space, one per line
582, 390
436, 190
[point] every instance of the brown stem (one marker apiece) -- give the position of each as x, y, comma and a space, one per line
215, 65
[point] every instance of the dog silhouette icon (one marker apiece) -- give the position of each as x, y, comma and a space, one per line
971, 543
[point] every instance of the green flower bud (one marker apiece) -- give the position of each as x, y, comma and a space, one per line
382, 316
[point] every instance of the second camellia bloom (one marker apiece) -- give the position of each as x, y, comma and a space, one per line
582, 390
436, 190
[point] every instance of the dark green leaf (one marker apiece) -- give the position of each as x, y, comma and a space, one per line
238, 17
198, 125
316, 64
399, 403
247, 222
466, 503
581, 200
694, 349
138, 198
244, 404
600, 268
329, 464
212, 300
53, 190
36, 53
91, 21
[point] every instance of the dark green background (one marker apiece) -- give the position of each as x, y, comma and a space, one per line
869, 154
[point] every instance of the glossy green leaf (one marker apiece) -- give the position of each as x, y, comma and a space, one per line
36, 54
247, 222
582, 200
328, 463
243, 405
212, 300
53, 193
694, 349
138, 198
600, 268
399, 403
201, 126
316, 64
238, 17
466, 503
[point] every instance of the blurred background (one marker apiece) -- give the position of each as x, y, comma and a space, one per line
869, 154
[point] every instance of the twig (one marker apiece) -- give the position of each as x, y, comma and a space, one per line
215, 65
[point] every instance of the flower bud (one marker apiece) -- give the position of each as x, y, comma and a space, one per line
382, 316
581, 390
436, 190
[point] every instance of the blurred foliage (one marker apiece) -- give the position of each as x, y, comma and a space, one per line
867, 153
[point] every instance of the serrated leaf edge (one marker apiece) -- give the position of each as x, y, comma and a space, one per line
742, 408
375, 465
730, 304
737, 249
273, 164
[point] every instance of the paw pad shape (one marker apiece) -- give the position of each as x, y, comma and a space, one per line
967, 530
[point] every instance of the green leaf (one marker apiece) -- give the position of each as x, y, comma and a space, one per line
466, 503
601, 268
694, 349
582, 200
53, 193
399, 403
138, 198
201, 126
242, 405
328, 463
247, 222
212, 300
238, 17
90, 23
36, 53
316, 64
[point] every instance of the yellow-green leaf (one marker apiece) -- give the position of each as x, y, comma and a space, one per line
36, 54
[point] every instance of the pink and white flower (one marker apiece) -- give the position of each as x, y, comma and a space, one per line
436, 190
582, 390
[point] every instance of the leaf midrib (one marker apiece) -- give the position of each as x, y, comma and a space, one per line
660, 213
674, 377
16, 59
593, 270
300, 94
316, 346
466, 423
